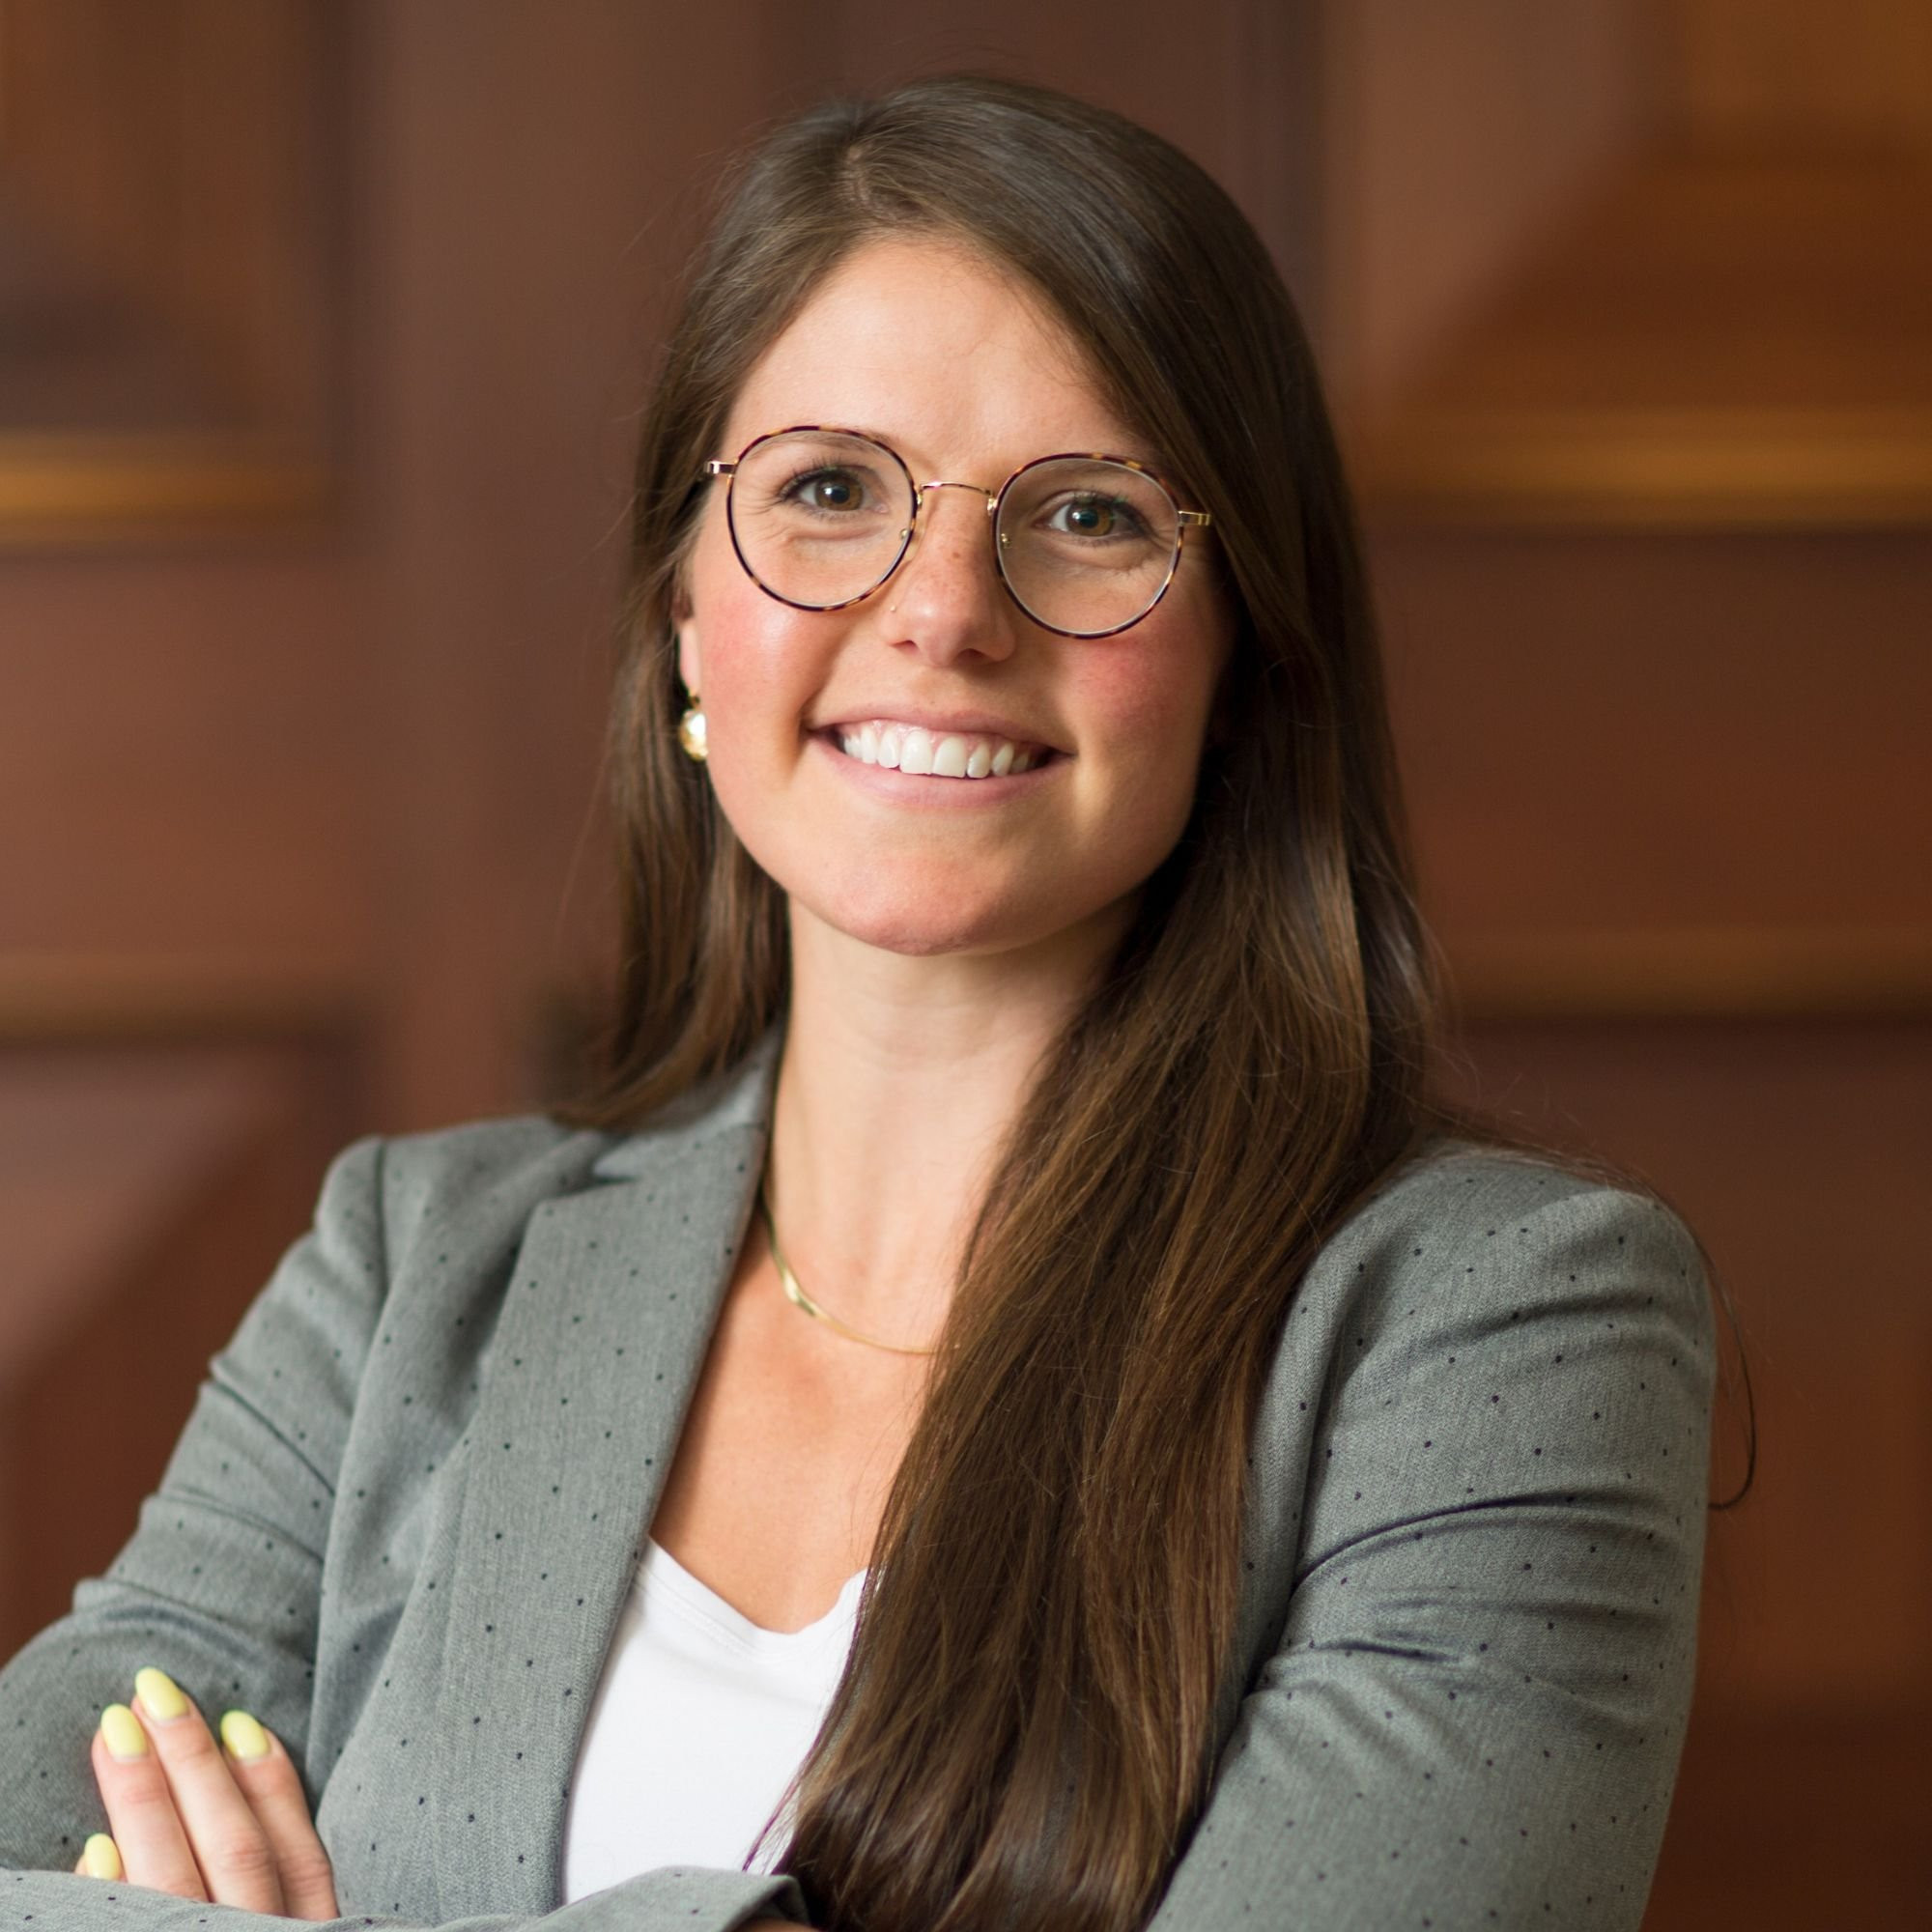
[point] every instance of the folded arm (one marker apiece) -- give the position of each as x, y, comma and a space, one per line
221, 1587
1473, 1714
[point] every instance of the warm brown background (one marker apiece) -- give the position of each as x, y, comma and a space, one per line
1627, 311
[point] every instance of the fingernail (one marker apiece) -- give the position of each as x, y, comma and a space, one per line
123, 1731
161, 1694
104, 1857
244, 1737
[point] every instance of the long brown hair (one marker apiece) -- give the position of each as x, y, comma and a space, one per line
1025, 1731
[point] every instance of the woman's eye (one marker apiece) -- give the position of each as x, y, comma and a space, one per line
829, 490
1094, 517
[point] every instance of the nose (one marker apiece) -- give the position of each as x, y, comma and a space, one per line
946, 598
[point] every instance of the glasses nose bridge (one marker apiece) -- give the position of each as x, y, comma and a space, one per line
992, 496
919, 523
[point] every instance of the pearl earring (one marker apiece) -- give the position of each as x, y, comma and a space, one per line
691, 732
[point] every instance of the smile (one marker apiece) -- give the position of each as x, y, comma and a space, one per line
950, 755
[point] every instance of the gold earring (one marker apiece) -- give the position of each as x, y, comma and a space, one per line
691, 732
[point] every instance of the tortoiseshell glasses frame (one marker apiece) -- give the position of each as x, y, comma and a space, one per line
995, 500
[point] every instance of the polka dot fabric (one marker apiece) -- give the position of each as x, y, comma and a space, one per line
1477, 1535
406, 1512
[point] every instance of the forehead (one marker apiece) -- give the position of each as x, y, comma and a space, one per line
946, 356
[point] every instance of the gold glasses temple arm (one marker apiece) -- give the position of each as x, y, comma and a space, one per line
721, 470
1200, 519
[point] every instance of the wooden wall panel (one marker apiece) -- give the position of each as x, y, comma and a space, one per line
1794, 1824
185, 768
173, 151
171, 275
1853, 74
1622, 733
1453, 139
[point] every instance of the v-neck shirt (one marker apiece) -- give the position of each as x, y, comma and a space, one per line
700, 1721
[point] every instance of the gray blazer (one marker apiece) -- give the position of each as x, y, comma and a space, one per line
405, 1511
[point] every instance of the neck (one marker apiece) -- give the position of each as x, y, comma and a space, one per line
899, 1082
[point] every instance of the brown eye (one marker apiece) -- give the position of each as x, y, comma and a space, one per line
828, 489
1093, 518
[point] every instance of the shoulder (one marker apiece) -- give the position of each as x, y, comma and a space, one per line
456, 1201
486, 1168
446, 1208
1485, 1313
386, 1190
1461, 1191
1467, 1231
496, 1172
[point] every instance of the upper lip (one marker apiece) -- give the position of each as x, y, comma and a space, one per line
942, 723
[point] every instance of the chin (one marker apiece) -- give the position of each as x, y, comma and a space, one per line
924, 922
921, 935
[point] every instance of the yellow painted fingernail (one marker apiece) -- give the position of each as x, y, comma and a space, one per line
123, 1731
104, 1857
244, 1737
161, 1694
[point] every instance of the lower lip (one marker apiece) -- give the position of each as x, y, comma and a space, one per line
921, 789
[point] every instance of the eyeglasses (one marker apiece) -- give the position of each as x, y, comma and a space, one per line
1084, 545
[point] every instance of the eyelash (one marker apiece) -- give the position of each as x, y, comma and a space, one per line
790, 492
1118, 506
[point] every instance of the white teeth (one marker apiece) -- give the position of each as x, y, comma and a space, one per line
919, 752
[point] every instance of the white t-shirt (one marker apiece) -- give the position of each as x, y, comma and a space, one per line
700, 1721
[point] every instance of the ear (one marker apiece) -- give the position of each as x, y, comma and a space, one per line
684, 626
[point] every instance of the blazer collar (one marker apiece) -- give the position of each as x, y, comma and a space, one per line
601, 1339
737, 1099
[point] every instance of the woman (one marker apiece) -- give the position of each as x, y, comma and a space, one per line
1013, 1240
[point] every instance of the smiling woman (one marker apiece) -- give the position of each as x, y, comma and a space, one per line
1171, 1469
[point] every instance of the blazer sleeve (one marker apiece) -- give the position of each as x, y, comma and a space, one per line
1472, 1715
222, 1579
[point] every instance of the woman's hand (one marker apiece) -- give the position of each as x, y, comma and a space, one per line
226, 1823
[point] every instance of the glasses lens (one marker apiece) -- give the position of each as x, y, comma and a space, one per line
819, 516
1087, 545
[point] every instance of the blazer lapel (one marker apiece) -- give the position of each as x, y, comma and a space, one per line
600, 1343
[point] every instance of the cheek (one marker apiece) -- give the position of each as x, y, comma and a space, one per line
761, 663
751, 661
756, 655
1151, 702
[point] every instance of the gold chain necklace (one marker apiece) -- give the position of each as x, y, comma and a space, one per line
798, 1297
